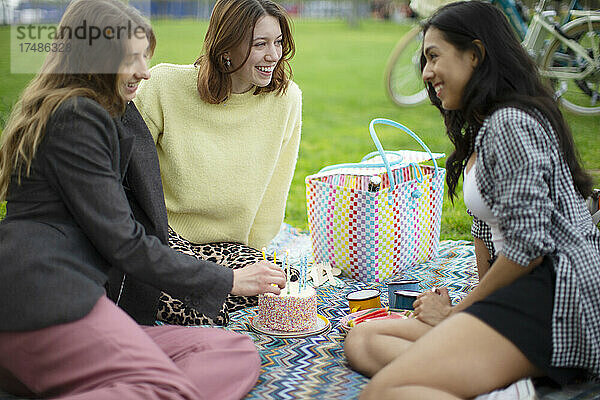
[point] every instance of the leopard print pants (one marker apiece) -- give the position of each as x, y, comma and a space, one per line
229, 254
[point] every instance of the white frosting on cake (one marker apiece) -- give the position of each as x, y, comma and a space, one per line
290, 312
295, 291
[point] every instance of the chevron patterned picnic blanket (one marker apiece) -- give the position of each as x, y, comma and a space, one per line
314, 367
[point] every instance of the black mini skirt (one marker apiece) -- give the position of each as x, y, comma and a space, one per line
522, 313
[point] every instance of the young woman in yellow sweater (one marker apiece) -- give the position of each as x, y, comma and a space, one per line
227, 131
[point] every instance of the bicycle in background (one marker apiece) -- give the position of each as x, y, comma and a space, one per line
566, 52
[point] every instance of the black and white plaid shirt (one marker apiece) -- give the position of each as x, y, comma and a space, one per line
525, 181
481, 230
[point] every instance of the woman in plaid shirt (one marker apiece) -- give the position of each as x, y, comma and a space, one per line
536, 310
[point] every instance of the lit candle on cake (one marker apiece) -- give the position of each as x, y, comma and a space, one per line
300, 271
286, 268
300, 275
303, 268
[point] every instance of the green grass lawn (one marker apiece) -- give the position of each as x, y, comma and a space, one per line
340, 72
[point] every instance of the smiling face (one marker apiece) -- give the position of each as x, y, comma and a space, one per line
265, 52
134, 67
447, 68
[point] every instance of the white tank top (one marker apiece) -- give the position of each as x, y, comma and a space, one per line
475, 203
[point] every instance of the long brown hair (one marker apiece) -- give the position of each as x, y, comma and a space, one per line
231, 24
89, 69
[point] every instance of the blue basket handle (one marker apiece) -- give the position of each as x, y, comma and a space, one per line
361, 165
382, 153
385, 121
374, 154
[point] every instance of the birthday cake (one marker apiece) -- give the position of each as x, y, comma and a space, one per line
290, 311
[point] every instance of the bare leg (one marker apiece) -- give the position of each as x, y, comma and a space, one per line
372, 345
460, 358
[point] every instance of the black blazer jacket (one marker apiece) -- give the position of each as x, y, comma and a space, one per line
143, 187
70, 222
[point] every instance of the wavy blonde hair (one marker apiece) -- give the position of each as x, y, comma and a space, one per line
85, 70
231, 26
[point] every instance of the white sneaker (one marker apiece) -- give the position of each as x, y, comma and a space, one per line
520, 390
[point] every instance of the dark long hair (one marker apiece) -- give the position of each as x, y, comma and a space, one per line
231, 26
505, 76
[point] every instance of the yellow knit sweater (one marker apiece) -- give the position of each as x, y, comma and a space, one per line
226, 168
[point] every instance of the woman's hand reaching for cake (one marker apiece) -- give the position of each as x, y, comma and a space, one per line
262, 277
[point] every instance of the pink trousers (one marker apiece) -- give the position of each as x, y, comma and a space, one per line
107, 355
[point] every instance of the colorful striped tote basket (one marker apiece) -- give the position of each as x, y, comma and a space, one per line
375, 232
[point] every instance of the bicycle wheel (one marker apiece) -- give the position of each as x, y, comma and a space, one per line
402, 73
580, 96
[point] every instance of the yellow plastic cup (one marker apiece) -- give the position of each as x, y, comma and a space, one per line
364, 299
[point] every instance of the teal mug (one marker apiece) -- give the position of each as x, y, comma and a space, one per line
404, 299
404, 284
